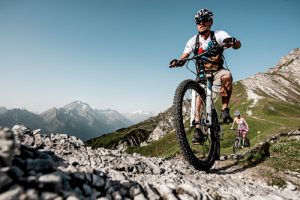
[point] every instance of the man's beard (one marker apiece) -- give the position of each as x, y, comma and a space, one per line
203, 32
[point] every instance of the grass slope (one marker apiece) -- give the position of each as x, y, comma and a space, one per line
140, 131
268, 117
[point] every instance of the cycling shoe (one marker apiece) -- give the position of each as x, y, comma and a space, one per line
225, 117
198, 137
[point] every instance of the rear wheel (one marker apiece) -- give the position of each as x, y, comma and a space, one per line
202, 156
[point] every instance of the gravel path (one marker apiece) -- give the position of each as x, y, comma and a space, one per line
38, 166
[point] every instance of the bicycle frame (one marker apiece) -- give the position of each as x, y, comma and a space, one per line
209, 102
239, 136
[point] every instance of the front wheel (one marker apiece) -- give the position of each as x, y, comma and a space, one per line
236, 146
189, 106
247, 142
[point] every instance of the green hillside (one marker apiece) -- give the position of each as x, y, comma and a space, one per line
268, 117
135, 133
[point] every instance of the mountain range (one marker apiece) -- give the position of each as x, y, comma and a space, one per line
76, 118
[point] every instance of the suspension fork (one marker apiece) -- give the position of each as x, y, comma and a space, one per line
209, 100
208, 103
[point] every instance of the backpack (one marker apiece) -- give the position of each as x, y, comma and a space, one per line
216, 60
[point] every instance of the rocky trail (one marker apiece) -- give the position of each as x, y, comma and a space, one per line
57, 166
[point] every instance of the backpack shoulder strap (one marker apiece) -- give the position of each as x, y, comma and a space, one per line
214, 41
213, 38
197, 45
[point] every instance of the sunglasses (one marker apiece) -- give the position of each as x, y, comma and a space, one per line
204, 20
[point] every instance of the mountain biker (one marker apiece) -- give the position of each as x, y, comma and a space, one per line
242, 125
198, 44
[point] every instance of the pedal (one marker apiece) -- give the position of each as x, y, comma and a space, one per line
227, 121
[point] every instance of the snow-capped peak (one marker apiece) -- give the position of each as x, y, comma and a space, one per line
141, 112
78, 105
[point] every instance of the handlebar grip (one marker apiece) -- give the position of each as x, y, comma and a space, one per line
171, 65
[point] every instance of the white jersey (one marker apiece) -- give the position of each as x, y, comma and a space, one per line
204, 44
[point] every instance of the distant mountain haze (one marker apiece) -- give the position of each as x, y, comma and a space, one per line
76, 118
139, 116
2, 110
20, 116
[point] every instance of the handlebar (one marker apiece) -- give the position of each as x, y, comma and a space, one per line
203, 56
238, 129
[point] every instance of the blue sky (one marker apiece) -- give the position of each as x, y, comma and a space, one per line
115, 53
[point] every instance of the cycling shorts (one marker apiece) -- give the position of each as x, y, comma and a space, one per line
244, 131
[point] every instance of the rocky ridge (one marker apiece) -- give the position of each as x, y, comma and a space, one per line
164, 126
39, 166
281, 82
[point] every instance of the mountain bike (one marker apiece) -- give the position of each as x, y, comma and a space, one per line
193, 104
237, 145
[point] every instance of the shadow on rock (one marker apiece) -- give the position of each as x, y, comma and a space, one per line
246, 160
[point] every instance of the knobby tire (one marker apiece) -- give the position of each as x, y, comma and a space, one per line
236, 146
182, 129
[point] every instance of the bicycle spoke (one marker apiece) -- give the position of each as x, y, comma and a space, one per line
200, 150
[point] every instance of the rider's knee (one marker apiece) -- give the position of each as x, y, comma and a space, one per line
226, 89
226, 79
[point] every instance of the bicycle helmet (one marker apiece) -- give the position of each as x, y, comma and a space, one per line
237, 113
204, 13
